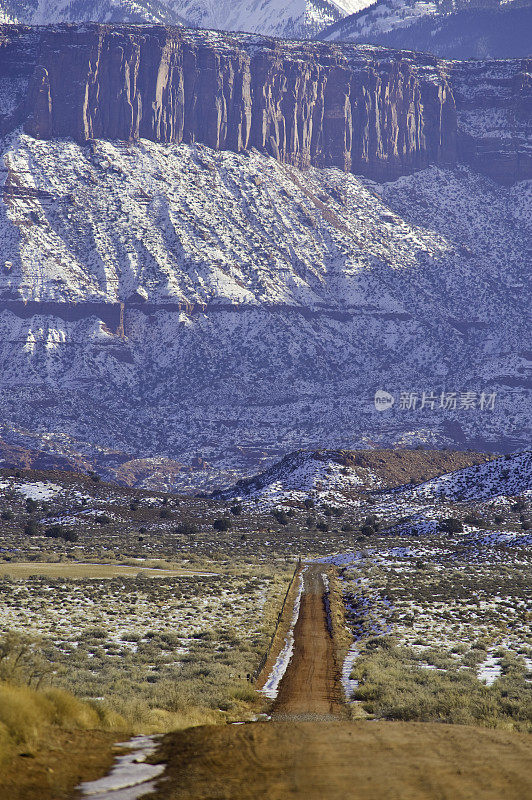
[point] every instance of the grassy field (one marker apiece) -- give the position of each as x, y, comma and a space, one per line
79, 569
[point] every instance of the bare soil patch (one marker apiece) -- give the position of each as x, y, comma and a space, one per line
54, 771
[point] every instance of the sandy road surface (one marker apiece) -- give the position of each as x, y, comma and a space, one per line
347, 761
311, 751
311, 687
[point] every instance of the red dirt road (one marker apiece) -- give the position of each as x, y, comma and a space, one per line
311, 687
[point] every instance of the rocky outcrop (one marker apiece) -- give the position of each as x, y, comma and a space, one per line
367, 110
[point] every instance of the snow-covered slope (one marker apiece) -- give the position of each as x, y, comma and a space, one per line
510, 475
43, 12
378, 18
322, 476
290, 18
342, 477
451, 30
285, 18
263, 306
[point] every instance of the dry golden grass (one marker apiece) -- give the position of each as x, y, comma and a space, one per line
27, 714
75, 569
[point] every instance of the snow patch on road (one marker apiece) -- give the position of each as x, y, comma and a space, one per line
130, 777
349, 684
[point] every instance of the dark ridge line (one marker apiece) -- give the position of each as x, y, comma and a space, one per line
112, 313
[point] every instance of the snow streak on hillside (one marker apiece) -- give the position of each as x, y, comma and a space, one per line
263, 306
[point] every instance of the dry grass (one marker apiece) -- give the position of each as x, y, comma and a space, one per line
73, 569
26, 715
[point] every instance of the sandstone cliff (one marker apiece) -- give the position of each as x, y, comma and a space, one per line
368, 110
359, 109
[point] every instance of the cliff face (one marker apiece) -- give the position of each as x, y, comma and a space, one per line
363, 109
359, 109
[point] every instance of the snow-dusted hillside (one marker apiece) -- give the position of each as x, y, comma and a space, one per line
378, 18
263, 306
321, 476
507, 476
44, 12
285, 18
451, 30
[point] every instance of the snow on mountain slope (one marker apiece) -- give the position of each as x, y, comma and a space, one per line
44, 12
263, 306
459, 30
321, 476
378, 18
285, 18
507, 476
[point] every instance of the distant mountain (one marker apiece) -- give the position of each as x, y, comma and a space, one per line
190, 270
286, 18
470, 31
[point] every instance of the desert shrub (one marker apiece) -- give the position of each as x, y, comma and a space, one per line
280, 516
31, 528
222, 524
186, 528
165, 513
7, 515
392, 687
94, 633
246, 694
60, 532
474, 519
322, 526
236, 510
451, 525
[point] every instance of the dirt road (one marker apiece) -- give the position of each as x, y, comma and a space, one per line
311, 751
311, 688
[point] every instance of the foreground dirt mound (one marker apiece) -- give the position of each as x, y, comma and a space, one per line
347, 761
